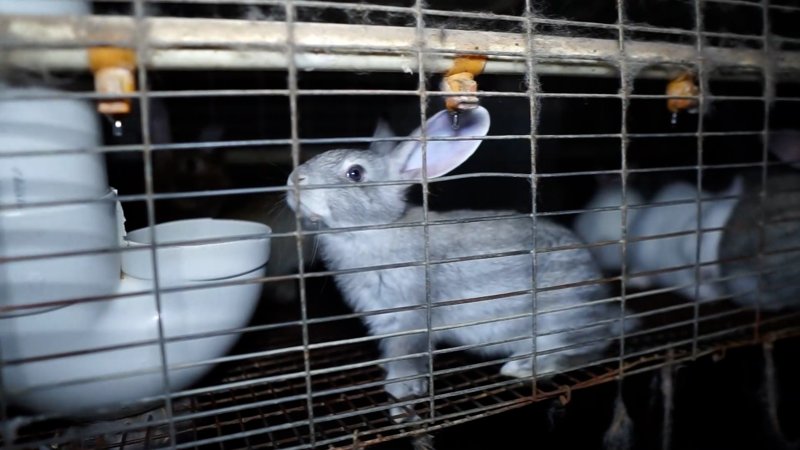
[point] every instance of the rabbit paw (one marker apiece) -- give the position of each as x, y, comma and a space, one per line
518, 368
415, 387
403, 414
403, 390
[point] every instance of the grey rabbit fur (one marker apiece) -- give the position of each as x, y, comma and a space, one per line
664, 254
404, 338
776, 240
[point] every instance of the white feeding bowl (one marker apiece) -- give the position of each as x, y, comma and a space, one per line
103, 357
197, 249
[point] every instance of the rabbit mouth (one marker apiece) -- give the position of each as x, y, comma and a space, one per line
301, 208
307, 214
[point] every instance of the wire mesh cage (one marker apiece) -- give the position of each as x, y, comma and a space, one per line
299, 224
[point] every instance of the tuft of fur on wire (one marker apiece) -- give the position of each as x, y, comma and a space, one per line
619, 435
668, 400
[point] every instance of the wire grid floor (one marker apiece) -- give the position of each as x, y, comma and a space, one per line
254, 416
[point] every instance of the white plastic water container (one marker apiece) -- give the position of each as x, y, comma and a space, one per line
59, 252
45, 145
45, 7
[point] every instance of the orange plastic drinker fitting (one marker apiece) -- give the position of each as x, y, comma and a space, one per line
113, 70
683, 85
461, 79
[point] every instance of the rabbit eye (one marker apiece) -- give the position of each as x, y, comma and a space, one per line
355, 173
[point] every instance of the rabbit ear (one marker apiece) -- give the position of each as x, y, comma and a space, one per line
785, 144
382, 131
444, 156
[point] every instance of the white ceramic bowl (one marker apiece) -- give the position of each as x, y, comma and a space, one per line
242, 246
43, 232
54, 125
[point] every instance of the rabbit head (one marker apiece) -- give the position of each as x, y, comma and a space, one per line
598, 226
350, 196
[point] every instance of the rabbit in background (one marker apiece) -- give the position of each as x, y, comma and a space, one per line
498, 327
762, 264
666, 254
681, 251
673, 211
602, 226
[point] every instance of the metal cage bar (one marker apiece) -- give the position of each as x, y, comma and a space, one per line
176, 43
301, 392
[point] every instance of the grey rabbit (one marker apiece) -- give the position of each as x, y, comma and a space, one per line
667, 251
749, 246
500, 327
